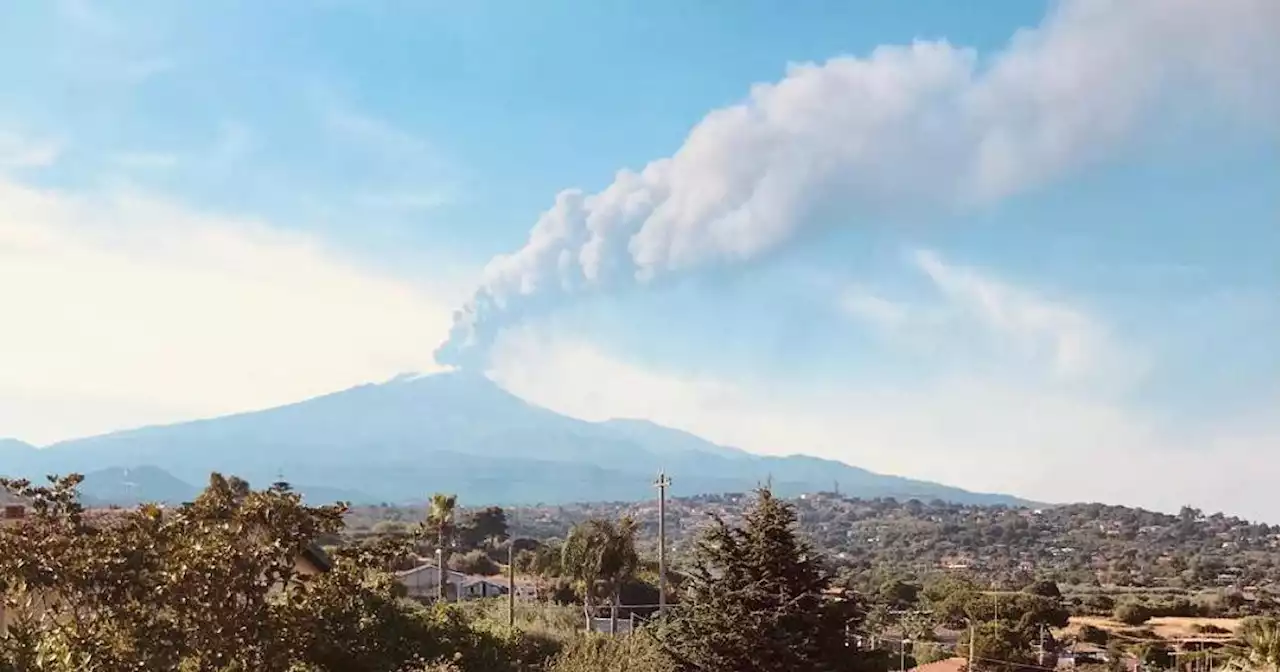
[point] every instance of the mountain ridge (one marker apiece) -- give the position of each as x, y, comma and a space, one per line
459, 432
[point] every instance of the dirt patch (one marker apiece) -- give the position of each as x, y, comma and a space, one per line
1165, 627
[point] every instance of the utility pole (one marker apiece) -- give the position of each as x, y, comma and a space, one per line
973, 642
511, 583
662, 484
1040, 655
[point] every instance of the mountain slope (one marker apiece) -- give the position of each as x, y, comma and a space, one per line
413, 435
126, 486
18, 458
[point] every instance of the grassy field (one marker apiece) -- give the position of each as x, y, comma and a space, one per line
1170, 628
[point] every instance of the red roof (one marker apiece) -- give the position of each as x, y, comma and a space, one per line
948, 665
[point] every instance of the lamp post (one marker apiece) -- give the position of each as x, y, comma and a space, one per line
443, 586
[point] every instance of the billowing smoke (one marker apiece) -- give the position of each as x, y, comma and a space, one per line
927, 124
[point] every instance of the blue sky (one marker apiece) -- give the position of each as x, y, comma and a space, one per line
985, 248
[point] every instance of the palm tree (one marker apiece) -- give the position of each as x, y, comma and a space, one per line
1261, 637
440, 519
601, 557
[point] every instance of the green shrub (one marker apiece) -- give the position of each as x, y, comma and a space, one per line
599, 653
474, 562
1132, 613
1094, 635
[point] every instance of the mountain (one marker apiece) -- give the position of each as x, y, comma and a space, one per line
123, 486
458, 432
18, 458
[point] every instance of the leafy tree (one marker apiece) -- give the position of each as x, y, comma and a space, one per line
601, 557
213, 586
898, 594
485, 528
1155, 655
475, 562
756, 601
1094, 635
998, 646
1132, 613
440, 519
1044, 588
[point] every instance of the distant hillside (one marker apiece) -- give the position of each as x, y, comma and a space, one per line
132, 486
401, 440
1078, 544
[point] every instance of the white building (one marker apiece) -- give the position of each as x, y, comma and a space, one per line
423, 582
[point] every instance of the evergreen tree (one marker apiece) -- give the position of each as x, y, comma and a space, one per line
757, 599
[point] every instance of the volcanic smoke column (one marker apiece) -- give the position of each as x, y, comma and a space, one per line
925, 125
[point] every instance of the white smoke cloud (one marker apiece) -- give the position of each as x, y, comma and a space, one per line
925, 124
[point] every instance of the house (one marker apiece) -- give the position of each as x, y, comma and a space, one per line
479, 586
423, 582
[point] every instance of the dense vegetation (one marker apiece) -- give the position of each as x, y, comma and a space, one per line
216, 585
1083, 545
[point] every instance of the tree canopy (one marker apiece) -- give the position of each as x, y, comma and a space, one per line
757, 598
210, 586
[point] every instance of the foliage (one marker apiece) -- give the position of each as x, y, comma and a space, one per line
1261, 637
440, 519
897, 593
486, 527
1132, 613
213, 585
1080, 546
598, 653
1156, 655
756, 600
474, 562
1044, 588
999, 646
1094, 635
928, 652
600, 556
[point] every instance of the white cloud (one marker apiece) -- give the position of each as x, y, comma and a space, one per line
143, 311
17, 151
1077, 345
926, 124
404, 174
983, 433
980, 317
145, 160
861, 303
369, 131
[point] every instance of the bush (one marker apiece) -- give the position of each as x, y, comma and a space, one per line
474, 562
1100, 604
1132, 613
1044, 588
598, 653
928, 652
1094, 635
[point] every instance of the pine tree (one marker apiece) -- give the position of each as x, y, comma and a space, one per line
758, 599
